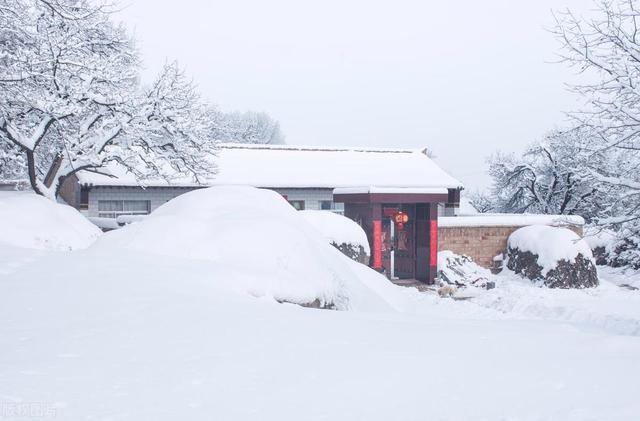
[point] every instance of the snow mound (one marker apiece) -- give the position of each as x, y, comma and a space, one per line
259, 244
337, 229
551, 244
31, 221
461, 271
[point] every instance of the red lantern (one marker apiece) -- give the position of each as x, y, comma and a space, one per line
400, 218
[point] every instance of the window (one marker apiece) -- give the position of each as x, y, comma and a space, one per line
298, 204
84, 198
115, 208
331, 206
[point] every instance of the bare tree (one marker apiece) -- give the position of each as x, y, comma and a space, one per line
246, 127
607, 49
549, 178
70, 98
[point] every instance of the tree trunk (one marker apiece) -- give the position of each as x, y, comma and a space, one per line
33, 178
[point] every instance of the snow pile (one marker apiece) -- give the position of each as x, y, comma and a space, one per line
608, 307
341, 232
550, 244
152, 338
462, 271
265, 249
336, 228
31, 221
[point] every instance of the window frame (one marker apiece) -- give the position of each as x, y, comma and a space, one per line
115, 213
302, 204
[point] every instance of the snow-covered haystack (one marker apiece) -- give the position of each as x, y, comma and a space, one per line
28, 220
556, 256
257, 243
462, 271
341, 232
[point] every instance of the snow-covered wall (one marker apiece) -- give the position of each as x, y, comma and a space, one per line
483, 237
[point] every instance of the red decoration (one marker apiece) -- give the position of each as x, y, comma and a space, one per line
400, 218
377, 244
433, 243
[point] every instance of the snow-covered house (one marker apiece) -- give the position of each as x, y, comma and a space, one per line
371, 186
305, 176
407, 205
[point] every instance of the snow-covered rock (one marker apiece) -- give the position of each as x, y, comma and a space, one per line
259, 244
31, 221
462, 271
556, 256
341, 232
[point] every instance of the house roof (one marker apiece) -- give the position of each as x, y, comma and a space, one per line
280, 166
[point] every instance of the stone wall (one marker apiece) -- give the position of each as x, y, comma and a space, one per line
482, 244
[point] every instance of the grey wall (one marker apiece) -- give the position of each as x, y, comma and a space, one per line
160, 195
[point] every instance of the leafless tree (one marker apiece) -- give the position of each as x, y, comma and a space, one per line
70, 98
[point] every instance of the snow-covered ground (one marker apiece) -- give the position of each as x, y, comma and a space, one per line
115, 332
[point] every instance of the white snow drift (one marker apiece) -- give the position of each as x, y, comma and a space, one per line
551, 244
337, 228
259, 244
31, 221
148, 325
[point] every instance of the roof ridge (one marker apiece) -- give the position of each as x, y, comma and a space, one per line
304, 148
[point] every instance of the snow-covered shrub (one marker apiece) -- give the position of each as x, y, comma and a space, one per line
625, 253
28, 220
341, 232
462, 271
616, 249
601, 241
266, 250
557, 257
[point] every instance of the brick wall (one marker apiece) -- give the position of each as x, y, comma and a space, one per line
480, 243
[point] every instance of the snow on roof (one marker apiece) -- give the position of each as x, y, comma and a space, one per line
304, 166
508, 220
403, 190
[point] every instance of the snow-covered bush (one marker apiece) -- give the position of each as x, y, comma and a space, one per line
462, 271
28, 220
616, 249
341, 232
557, 257
267, 249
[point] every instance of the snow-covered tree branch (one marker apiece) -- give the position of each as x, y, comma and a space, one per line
550, 178
70, 98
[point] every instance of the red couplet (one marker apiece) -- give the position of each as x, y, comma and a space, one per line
377, 244
433, 243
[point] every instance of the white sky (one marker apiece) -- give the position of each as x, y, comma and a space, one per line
464, 77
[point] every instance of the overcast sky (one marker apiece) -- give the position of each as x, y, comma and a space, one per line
463, 78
